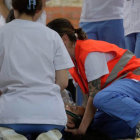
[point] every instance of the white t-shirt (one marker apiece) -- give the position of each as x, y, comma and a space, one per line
96, 65
101, 10
30, 53
132, 16
42, 19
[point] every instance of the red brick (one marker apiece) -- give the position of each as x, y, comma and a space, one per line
74, 21
70, 13
71, 9
67, 15
53, 9
76, 15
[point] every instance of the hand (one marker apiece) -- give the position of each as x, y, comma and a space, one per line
75, 131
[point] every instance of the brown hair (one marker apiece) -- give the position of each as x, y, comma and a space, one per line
63, 26
21, 6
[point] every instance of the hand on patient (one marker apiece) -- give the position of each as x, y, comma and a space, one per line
75, 131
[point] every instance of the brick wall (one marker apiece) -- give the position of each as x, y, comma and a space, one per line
71, 12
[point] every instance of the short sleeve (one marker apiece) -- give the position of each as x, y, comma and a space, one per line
95, 66
62, 59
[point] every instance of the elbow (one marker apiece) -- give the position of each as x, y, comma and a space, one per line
66, 84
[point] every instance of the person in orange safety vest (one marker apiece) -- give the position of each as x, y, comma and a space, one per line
109, 77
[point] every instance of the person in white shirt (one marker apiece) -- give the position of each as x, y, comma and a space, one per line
33, 72
132, 26
5, 6
103, 20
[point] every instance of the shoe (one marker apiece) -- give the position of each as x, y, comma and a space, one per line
138, 131
10, 134
50, 135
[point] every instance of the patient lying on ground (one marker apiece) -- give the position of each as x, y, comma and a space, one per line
74, 115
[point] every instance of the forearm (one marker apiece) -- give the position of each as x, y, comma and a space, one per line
4, 10
85, 99
94, 87
89, 113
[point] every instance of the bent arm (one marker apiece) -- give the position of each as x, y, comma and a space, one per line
94, 88
3, 9
62, 79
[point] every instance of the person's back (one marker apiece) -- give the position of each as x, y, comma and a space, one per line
33, 71
27, 68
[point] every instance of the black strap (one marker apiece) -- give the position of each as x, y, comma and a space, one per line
73, 115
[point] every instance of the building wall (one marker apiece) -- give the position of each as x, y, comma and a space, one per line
69, 9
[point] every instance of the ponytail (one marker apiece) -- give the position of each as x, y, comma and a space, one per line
81, 35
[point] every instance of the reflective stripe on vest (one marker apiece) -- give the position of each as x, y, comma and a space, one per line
119, 67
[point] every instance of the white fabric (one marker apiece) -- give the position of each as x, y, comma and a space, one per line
96, 65
42, 19
2, 20
132, 16
101, 10
30, 53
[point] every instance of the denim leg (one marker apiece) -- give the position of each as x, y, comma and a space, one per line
121, 100
31, 131
114, 127
130, 42
112, 31
137, 46
90, 28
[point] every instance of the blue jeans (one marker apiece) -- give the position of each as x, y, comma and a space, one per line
111, 31
132, 42
118, 109
31, 131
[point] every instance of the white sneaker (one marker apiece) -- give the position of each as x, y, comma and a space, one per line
10, 134
50, 135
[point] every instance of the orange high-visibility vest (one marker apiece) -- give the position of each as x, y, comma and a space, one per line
120, 67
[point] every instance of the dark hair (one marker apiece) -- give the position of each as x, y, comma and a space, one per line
10, 16
92, 135
77, 122
63, 26
21, 6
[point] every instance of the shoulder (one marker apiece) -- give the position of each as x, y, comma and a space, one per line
48, 30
